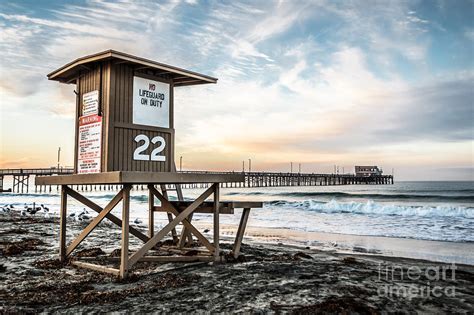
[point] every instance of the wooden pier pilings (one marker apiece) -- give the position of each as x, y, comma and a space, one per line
252, 179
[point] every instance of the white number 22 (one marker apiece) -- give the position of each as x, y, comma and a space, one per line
140, 156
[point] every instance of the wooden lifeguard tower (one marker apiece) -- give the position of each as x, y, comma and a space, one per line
124, 136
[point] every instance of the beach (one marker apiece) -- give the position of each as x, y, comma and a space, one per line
406, 247
270, 277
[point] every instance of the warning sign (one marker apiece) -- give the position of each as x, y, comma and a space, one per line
90, 103
89, 144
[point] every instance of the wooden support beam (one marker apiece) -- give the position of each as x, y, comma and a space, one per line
201, 251
205, 207
186, 234
125, 231
109, 216
167, 204
240, 232
151, 213
62, 224
94, 223
166, 259
155, 239
164, 192
216, 189
95, 267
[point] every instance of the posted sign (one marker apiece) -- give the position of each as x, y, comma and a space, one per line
151, 105
89, 144
90, 103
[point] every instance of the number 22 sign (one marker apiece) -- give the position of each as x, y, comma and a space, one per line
154, 156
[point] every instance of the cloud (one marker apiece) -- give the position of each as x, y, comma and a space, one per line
316, 81
441, 111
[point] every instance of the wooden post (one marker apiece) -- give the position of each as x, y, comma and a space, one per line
62, 224
151, 213
240, 232
125, 235
216, 222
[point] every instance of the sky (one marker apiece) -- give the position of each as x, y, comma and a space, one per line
316, 83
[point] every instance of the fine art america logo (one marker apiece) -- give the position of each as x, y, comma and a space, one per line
416, 282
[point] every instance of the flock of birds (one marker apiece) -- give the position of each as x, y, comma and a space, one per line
33, 210
27, 210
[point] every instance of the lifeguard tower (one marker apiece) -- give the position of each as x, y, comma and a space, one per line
124, 136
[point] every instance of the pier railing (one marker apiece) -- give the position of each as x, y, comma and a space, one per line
252, 179
37, 171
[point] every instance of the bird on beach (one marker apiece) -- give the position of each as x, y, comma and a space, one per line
33, 211
137, 221
84, 215
206, 231
23, 213
45, 209
6, 209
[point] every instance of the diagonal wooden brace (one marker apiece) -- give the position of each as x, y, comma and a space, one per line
95, 222
179, 218
185, 234
240, 232
169, 207
109, 216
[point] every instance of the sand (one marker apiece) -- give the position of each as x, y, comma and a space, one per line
268, 278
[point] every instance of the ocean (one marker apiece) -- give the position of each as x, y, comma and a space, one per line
434, 211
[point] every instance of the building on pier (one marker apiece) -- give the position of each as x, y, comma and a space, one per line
368, 171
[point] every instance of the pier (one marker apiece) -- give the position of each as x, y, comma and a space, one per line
21, 176
252, 179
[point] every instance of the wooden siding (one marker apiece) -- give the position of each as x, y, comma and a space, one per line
88, 81
115, 85
121, 144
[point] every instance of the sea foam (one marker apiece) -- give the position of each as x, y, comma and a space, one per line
371, 207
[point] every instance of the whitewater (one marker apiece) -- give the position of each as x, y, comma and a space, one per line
438, 211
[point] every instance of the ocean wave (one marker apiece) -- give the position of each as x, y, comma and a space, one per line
252, 193
465, 198
371, 207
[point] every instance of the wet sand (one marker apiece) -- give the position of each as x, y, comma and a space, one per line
269, 278
439, 251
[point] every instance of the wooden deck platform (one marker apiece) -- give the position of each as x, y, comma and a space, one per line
180, 212
114, 178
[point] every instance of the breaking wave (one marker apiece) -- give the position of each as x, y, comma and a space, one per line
464, 198
371, 207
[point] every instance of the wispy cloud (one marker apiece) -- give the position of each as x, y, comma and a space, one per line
315, 80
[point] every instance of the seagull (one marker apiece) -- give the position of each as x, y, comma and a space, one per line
206, 231
83, 217
45, 209
11, 206
137, 221
72, 215
23, 213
